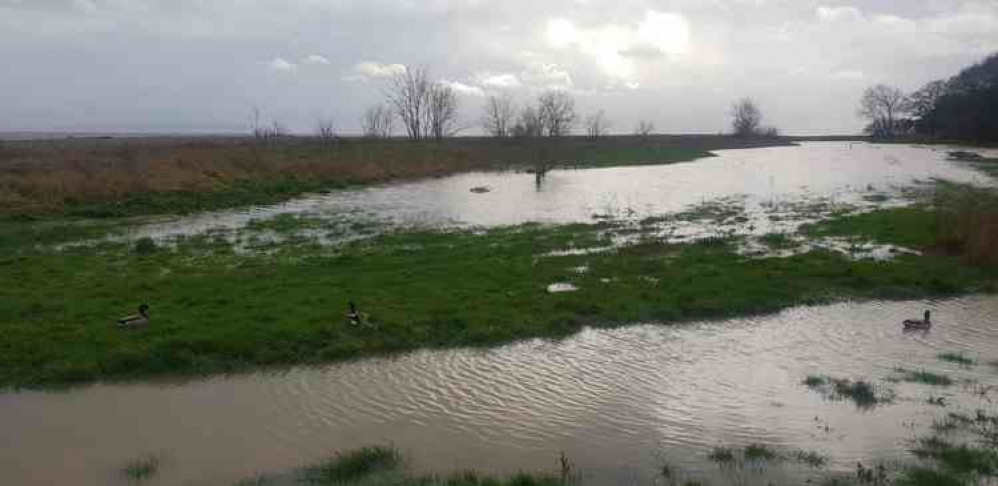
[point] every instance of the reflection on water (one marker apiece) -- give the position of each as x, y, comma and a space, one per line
764, 179
617, 401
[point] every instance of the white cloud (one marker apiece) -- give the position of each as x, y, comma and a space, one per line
315, 59
849, 74
839, 14
616, 49
280, 65
546, 75
501, 81
464, 89
370, 69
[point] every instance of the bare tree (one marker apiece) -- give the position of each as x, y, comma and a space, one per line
498, 117
441, 111
529, 123
644, 128
557, 112
597, 125
377, 122
325, 130
746, 118
408, 92
263, 131
883, 105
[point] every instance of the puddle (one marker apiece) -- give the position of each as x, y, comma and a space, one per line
557, 288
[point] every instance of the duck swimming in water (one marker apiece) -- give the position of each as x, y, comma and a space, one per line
136, 320
918, 324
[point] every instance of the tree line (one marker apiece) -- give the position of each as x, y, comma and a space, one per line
963, 107
428, 109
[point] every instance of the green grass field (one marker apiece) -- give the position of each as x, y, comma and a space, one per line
215, 309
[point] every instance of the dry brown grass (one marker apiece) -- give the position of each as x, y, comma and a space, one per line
50, 178
967, 223
53, 176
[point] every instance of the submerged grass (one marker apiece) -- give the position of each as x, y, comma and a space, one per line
141, 469
383, 466
923, 376
420, 289
862, 393
958, 358
352, 465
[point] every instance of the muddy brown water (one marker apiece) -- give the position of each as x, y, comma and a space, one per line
619, 402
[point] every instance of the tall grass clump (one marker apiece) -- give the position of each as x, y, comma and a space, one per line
141, 469
967, 222
958, 358
926, 377
352, 465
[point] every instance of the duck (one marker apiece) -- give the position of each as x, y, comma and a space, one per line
918, 323
136, 320
355, 316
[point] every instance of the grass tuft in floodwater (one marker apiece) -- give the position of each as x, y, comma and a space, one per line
923, 376
958, 358
860, 392
722, 455
810, 458
352, 465
758, 452
141, 469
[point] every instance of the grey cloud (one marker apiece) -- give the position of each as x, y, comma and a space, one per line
196, 64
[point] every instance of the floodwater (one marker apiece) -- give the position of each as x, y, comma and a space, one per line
764, 179
619, 402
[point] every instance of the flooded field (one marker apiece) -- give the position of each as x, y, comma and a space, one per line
772, 184
620, 403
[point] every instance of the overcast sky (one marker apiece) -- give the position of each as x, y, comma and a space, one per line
190, 65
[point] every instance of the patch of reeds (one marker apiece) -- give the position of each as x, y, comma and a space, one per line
352, 465
967, 222
141, 469
958, 358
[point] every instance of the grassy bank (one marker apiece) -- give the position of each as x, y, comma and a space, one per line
215, 309
113, 178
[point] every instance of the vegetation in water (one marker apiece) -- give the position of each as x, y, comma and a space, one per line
352, 465
959, 358
862, 393
923, 376
141, 469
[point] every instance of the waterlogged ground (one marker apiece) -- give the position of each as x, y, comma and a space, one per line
776, 188
620, 403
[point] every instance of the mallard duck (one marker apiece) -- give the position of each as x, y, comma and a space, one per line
354, 315
918, 324
136, 320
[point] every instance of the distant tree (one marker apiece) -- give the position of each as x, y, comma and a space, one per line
499, 115
644, 128
325, 129
964, 107
597, 125
529, 123
266, 131
922, 106
884, 106
557, 112
441, 111
408, 93
746, 118
377, 122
